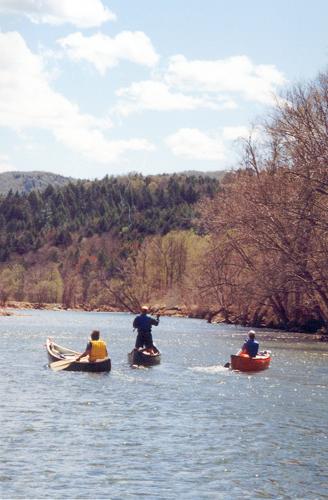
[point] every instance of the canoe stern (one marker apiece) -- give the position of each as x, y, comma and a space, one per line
244, 363
138, 357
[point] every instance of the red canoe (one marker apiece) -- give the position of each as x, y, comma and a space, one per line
244, 363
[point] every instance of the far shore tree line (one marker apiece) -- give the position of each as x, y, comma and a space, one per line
252, 250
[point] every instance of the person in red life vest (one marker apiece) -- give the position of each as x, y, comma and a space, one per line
143, 323
96, 348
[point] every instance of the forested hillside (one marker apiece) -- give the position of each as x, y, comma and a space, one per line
24, 182
214, 174
78, 244
130, 207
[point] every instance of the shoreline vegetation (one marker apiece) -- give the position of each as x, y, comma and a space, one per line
249, 249
176, 311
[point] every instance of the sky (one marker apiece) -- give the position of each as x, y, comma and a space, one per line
90, 88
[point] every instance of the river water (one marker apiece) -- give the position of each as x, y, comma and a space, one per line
186, 429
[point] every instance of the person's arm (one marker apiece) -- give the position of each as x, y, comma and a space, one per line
85, 353
135, 322
242, 350
155, 322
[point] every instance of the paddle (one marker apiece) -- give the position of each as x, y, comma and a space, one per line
227, 365
56, 366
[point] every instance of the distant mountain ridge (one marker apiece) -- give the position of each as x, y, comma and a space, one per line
25, 182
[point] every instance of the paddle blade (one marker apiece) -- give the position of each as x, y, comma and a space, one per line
56, 366
227, 365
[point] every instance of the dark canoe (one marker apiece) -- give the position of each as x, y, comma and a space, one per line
59, 353
144, 358
244, 363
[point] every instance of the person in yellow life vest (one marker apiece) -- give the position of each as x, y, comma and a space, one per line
96, 348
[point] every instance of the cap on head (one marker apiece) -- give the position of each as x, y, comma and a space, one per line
144, 308
251, 334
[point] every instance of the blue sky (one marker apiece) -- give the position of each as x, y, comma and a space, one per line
96, 87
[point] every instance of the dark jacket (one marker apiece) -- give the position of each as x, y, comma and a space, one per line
143, 323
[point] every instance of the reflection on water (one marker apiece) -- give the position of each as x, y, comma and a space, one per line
188, 428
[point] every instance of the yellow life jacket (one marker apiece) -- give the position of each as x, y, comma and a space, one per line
98, 350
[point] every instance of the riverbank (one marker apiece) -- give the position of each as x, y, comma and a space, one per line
172, 311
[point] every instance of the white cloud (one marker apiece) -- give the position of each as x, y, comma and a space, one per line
193, 144
5, 164
81, 13
105, 52
237, 75
27, 101
191, 85
153, 95
94, 146
232, 133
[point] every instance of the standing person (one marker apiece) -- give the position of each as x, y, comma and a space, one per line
251, 346
96, 348
143, 324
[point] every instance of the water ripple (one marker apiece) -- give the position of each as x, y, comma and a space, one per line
188, 428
